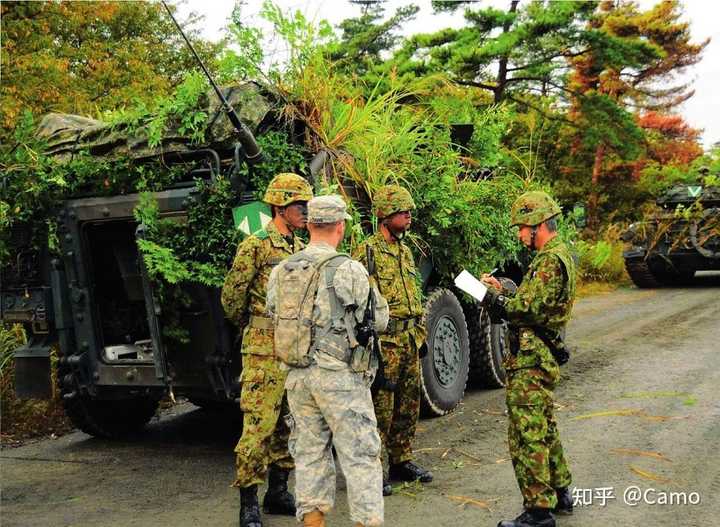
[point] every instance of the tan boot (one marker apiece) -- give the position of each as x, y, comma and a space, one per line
314, 519
358, 524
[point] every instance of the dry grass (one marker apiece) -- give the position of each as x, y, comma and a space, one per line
596, 288
25, 419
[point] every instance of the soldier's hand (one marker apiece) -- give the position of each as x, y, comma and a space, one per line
491, 281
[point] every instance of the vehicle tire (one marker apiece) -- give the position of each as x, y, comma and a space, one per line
641, 275
445, 365
487, 348
108, 419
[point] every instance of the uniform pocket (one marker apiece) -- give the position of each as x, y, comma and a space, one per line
251, 391
365, 433
528, 387
386, 278
339, 380
292, 381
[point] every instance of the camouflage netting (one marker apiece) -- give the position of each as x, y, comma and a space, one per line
67, 134
687, 218
689, 194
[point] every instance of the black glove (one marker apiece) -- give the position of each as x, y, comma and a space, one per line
495, 304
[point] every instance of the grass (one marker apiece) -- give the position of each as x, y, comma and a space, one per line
24, 419
600, 265
595, 288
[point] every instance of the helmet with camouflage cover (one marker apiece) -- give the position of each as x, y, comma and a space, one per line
533, 208
287, 188
391, 199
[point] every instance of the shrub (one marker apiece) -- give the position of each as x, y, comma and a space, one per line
22, 419
602, 260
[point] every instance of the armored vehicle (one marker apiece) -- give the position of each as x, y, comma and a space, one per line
93, 300
681, 237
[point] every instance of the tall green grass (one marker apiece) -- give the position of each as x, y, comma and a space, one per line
602, 260
23, 419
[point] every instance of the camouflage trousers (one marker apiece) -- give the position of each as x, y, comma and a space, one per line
265, 433
533, 438
397, 412
334, 407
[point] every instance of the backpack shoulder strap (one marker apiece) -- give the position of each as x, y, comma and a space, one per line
338, 311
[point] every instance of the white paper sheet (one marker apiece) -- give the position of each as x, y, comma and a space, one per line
471, 285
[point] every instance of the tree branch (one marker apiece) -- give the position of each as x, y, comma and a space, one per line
520, 79
542, 112
477, 85
550, 57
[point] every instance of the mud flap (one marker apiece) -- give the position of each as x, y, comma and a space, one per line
32, 372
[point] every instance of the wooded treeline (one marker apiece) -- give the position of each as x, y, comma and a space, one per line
582, 95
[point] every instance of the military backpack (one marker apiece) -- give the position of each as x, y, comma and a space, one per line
298, 282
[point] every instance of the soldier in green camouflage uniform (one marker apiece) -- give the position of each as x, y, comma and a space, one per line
396, 278
540, 307
262, 399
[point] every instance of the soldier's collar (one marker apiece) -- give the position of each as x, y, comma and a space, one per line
277, 239
550, 244
386, 245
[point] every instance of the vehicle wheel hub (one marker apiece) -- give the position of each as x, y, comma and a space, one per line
446, 351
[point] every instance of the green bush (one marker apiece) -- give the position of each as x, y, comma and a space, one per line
602, 260
10, 338
22, 419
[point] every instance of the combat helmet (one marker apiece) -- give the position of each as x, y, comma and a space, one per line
533, 208
391, 199
285, 188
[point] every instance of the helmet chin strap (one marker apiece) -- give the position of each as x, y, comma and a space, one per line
397, 237
533, 233
281, 214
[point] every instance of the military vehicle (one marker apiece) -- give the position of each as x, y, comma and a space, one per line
681, 237
96, 304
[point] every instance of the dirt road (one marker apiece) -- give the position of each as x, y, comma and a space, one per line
638, 407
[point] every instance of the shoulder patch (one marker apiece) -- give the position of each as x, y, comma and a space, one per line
549, 264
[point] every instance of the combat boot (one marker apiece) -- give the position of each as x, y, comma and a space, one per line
249, 507
387, 488
278, 500
564, 501
531, 518
314, 519
409, 471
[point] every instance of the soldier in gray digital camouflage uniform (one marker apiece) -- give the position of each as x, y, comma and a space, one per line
330, 400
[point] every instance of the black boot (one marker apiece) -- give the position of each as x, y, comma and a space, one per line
278, 499
531, 518
249, 507
409, 471
564, 501
387, 488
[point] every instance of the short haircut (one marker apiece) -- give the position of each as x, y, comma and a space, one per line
551, 224
323, 227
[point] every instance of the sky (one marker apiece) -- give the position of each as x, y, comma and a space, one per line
701, 111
